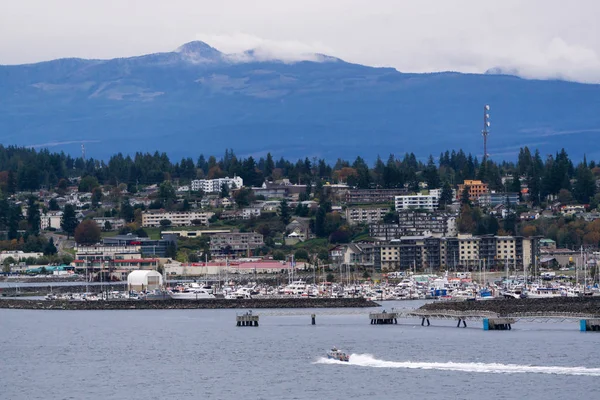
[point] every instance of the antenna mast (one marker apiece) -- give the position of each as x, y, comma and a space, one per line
83, 151
486, 125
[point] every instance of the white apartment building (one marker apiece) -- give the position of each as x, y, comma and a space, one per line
50, 220
215, 185
416, 201
251, 212
177, 218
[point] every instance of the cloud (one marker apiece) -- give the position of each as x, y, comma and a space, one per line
237, 46
54, 144
542, 39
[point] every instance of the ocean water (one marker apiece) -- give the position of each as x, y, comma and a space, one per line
158, 354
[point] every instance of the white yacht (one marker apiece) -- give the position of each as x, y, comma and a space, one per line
538, 292
192, 294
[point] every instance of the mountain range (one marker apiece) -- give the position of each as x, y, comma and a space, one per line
197, 99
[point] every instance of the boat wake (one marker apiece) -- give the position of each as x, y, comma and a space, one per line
367, 360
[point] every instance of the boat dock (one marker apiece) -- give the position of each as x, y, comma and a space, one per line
247, 319
383, 318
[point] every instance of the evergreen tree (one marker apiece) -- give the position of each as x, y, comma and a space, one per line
465, 197
33, 216
126, 211
585, 186
50, 248
321, 219
224, 191
432, 177
284, 212
69, 220
445, 196
269, 165
53, 205
15, 216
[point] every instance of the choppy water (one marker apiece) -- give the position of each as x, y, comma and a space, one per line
157, 354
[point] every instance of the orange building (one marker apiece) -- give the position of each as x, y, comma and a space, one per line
476, 189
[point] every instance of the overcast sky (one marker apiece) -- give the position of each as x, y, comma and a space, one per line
533, 38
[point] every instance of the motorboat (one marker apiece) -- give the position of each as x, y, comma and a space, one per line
192, 294
336, 354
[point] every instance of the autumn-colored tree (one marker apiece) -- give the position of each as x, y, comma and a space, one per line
87, 232
529, 230
343, 174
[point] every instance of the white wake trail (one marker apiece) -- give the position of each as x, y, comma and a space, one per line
367, 360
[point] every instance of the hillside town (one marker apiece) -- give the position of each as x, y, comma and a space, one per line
189, 219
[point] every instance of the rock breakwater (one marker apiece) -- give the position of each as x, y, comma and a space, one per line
184, 304
509, 307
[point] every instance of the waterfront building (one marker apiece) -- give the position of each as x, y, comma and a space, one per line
164, 247
465, 251
235, 244
18, 255
366, 255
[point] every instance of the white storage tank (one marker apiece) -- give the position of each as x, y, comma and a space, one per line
141, 280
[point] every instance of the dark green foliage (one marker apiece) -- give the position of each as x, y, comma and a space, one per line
69, 220
53, 205
284, 212
50, 248
301, 255
446, 196
33, 216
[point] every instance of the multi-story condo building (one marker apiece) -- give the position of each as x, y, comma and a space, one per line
215, 185
365, 215
164, 247
368, 196
493, 199
235, 244
413, 223
51, 220
466, 251
152, 218
417, 201
476, 189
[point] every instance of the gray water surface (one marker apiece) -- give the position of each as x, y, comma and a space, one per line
201, 354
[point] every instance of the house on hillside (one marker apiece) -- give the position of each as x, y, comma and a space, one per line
300, 228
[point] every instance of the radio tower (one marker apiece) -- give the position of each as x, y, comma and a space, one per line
83, 151
486, 125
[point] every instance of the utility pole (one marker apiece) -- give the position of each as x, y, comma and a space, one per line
486, 125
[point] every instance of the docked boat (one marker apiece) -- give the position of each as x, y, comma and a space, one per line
336, 354
192, 294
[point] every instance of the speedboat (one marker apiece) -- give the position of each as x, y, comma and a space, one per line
339, 355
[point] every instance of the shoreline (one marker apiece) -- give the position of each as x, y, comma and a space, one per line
185, 304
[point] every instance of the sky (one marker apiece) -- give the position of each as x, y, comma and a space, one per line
542, 39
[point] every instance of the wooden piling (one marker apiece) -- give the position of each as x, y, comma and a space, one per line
383, 318
246, 319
